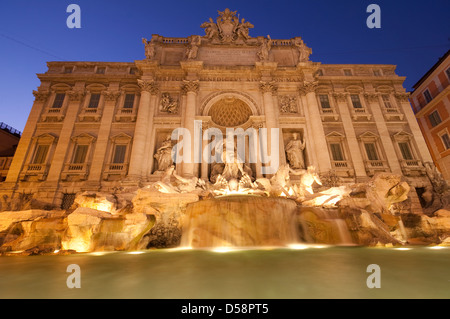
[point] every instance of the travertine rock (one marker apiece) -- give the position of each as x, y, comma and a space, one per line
93, 230
167, 210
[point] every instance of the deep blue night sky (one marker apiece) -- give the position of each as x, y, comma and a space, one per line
413, 35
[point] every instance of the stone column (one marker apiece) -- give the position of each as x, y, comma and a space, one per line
310, 145
391, 156
268, 89
313, 116
98, 159
204, 164
140, 131
25, 140
258, 163
403, 100
352, 141
75, 97
149, 146
190, 88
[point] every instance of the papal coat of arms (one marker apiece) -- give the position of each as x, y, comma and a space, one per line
227, 28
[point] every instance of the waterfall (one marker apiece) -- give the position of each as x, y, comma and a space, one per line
324, 226
240, 221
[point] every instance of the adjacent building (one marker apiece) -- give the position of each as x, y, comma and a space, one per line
9, 139
431, 103
102, 126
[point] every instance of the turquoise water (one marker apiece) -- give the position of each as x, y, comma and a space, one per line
330, 272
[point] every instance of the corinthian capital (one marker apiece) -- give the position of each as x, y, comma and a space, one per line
307, 87
402, 96
111, 95
268, 87
148, 86
75, 95
371, 97
41, 96
340, 96
190, 86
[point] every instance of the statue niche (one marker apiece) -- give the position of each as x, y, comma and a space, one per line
294, 151
163, 155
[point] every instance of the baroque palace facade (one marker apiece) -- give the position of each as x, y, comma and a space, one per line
100, 126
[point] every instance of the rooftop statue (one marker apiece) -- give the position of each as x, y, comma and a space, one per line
264, 49
149, 48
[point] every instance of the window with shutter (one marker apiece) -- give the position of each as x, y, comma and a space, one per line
406, 151
336, 152
59, 100
119, 154
129, 101
41, 154
93, 102
371, 151
80, 154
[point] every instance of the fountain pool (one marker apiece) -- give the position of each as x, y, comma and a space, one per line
302, 271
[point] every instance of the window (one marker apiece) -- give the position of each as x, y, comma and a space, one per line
95, 99
434, 118
427, 96
80, 154
377, 72
324, 101
41, 154
406, 151
446, 140
59, 100
67, 200
336, 152
101, 70
386, 101
371, 151
347, 72
119, 154
68, 69
356, 101
129, 101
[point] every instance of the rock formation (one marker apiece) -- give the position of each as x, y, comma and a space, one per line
274, 211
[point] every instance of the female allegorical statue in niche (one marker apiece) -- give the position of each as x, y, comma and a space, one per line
294, 151
164, 154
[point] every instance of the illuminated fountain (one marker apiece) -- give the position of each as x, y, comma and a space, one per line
235, 210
